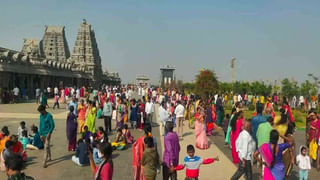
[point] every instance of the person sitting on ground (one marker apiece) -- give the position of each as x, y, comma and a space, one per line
150, 159
18, 147
192, 163
86, 133
95, 152
26, 142
81, 156
5, 154
14, 165
100, 134
4, 137
120, 141
127, 134
105, 170
21, 128
35, 139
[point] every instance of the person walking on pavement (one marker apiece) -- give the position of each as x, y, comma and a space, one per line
179, 112
164, 116
46, 129
171, 153
149, 110
245, 146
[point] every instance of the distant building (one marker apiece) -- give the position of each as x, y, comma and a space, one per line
47, 62
167, 75
142, 81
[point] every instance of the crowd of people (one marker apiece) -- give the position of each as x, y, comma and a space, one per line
265, 138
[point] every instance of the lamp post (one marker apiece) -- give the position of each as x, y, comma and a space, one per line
232, 68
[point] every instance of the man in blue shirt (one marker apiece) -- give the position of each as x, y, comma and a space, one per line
74, 103
46, 129
257, 120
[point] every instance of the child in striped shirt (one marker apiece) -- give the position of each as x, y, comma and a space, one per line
192, 163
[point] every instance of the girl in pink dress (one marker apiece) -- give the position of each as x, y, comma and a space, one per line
201, 137
236, 128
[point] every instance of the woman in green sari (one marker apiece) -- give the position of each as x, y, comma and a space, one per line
233, 112
91, 117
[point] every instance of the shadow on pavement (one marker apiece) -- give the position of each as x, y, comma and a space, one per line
187, 134
60, 159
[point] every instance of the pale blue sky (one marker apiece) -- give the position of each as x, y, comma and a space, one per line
271, 39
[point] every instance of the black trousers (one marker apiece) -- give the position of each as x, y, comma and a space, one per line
166, 173
246, 170
56, 104
107, 123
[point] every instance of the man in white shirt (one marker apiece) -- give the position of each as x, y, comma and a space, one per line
164, 116
239, 98
245, 147
215, 98
149, 111
78, 93
154, 95
294, 101
129, 93
15, 91
301, 101
56, 90
38, 95
49, 91
179, 112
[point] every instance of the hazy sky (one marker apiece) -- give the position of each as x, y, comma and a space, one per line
270, 39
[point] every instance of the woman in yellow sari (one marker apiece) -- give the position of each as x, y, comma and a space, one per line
189, 114
81, 115
281, 124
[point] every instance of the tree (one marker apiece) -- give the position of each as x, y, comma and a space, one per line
206, 84
189, 87
225, 87
289, 89
308, 89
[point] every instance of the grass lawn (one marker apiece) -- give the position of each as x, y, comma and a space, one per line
299, 117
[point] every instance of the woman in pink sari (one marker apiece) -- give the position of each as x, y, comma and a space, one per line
201, 137
272, 155
236, 128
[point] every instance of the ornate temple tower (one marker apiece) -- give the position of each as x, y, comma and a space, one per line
55, 44
85, 56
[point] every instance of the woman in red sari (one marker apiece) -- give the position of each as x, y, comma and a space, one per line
137, 152
286, 106
236, 128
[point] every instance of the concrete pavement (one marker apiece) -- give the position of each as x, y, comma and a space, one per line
219, 170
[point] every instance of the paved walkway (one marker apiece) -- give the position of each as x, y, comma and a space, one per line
63, 168
219, 170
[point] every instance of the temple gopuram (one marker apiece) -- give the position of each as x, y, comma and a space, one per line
48, 62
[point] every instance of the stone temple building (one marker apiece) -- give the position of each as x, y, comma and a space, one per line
48, 63
55, 44
85, 56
